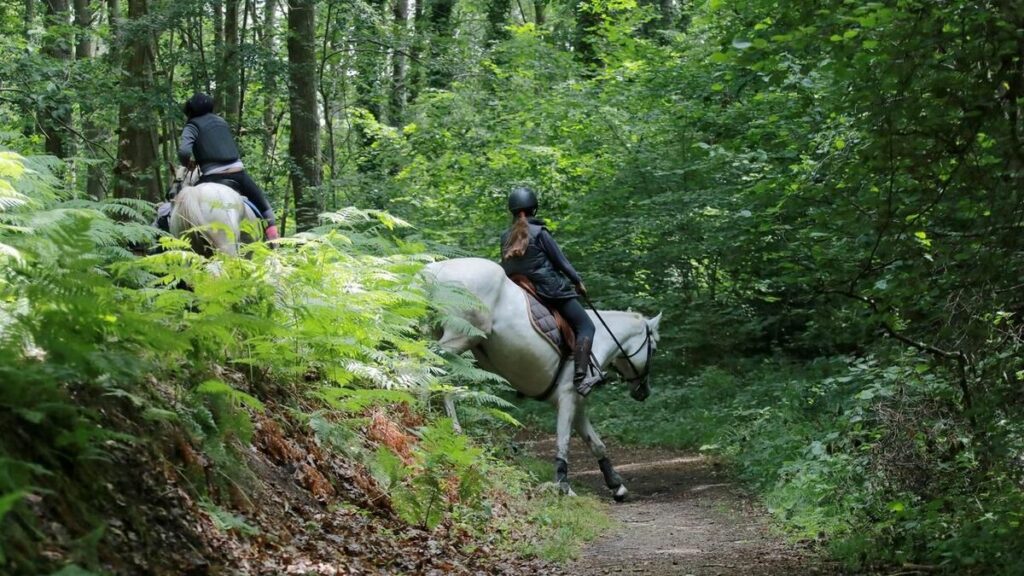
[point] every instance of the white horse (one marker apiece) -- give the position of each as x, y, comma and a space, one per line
508, 345
210, 214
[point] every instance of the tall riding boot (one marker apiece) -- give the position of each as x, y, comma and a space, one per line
581, 377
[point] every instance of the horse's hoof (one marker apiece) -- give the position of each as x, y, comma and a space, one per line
565, 490
620, 494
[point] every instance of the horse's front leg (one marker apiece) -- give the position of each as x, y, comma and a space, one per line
566, 414
586, 431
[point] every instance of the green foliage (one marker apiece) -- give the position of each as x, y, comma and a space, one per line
869, 454
446, 477
335, 317
564, 525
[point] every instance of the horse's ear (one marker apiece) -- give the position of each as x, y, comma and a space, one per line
170, 168
654, 322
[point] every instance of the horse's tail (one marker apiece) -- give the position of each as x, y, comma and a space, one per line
214, 209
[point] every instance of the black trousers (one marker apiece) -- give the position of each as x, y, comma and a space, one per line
248, 188
577, 317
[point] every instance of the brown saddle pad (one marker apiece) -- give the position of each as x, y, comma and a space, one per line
547, 321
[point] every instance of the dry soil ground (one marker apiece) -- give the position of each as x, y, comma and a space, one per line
683, 516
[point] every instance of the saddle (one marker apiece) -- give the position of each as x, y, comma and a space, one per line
547, 321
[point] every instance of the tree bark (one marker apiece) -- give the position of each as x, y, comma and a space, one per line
55, 117
669, 14
497, 17
538, 12
30, 16
371, 66
269, 77
218, 52
137, 173
400, 62
304, 140
230, 65
85, 50
439, 31
587, 19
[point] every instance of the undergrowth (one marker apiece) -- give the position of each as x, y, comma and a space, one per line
105, 352
868, 455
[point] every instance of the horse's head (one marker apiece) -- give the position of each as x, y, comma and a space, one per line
182, 177
633, 362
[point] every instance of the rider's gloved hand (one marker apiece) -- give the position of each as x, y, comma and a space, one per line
581, 289
272, 233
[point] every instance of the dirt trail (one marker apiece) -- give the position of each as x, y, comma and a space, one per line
683, 516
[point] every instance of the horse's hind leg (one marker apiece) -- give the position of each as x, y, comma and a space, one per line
611, 478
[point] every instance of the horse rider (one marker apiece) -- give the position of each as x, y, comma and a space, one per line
207, 138
528, 249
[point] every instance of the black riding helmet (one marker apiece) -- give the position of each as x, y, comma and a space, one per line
522, 199
198, 105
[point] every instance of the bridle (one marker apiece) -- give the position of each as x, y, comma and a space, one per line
179, 182
640, 378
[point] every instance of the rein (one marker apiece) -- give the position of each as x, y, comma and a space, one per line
629, 357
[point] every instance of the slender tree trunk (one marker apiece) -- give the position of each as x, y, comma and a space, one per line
137, 173
85, 50
323, 78
417, 75
230, 65
55, 118
218, 52
30, 16
439, 32
400, 61
243, 82
371, 66
304, 141
539, 6
269, 77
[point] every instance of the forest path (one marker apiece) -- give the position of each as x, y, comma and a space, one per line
684, 515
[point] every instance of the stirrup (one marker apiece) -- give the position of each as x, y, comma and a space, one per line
588, 383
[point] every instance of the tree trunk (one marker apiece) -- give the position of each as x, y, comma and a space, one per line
230, 65
400, 61
55, 117
497, 17
137, 173
371, 66
587, 19
218, 52
269, 78
304, 140
538, 12
440, 30
85, 49
30, 15
669, 14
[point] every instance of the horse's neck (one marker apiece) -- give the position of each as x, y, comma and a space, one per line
624, 326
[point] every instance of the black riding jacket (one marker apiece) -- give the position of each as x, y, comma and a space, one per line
208, 138
543, 263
